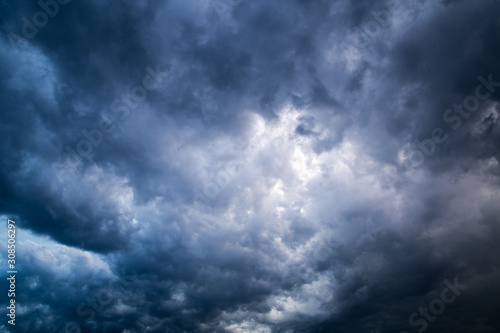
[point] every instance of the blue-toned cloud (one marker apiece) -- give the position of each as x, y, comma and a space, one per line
251, 166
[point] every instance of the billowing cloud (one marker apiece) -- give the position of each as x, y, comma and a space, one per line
252, 166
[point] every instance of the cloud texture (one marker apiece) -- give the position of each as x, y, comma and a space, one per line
252, 166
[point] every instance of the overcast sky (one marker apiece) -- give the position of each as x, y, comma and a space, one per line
241, 166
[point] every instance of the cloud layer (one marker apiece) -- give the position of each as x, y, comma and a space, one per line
252, 166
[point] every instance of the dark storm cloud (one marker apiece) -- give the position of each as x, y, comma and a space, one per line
264, 185
446, 56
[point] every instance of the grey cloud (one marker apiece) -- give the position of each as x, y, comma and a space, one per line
265, 185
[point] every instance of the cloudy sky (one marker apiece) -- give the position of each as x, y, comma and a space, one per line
251, 166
